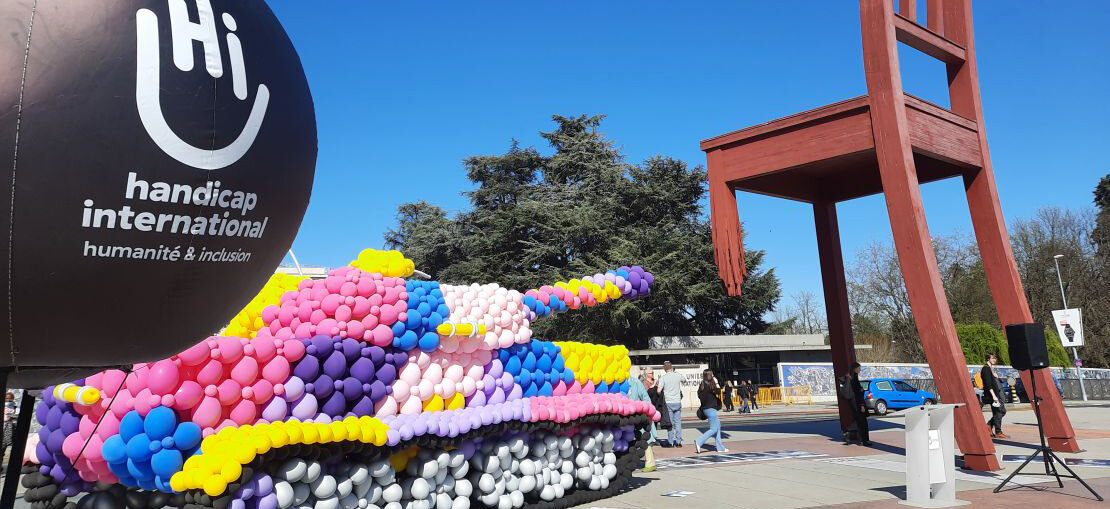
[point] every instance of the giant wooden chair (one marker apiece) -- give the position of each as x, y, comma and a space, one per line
889, 142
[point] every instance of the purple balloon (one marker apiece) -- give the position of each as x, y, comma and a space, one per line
70, 423
488, 384
322, 387
268, 502
336, 405
54, 441
392, 437
335, 365
352, 388
377, 390
43, 409
406, 431
477, 400
376, 354
275, 410
294, 388
497, 397
387, 373
308, 368
495, 368
515, 394
321, 346
507, 381
304, 408
420, 425
363, 369
365, 406
54, 417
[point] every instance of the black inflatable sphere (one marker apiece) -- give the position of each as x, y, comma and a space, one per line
159, 157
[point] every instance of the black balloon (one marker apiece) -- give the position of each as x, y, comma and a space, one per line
162, 155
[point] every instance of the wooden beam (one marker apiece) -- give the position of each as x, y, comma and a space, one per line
934, 16
928, 42
908, 9
797, 119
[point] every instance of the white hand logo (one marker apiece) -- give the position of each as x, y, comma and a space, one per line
147, 80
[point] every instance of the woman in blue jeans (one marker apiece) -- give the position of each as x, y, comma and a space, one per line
708, 394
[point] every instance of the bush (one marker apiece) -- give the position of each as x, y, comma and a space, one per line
1057, 354
979, 339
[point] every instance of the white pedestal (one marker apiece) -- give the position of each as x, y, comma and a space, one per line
930, 457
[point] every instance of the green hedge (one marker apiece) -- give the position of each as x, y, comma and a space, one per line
978, 339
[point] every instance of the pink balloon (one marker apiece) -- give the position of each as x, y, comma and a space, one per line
231, 349
211, 374
143, 402
401, 389
383, 335
264, 350
244, 412
163, 377
276, 371
245, 371
355, 329
412, 406
386, 407
188, 395
330, 303
263, 391
293, 350
433, 373
426, 389
410, 373
109, 425
71, 446
207, 414
229, 392
388, 314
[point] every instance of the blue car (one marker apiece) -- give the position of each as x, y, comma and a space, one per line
883, 394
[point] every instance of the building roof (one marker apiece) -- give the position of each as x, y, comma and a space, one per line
746, 343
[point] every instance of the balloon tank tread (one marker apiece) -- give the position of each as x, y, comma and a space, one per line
362, 370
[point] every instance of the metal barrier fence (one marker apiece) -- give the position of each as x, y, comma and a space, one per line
1097, 389
785, 395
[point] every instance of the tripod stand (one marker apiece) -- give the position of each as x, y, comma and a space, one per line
1045, 452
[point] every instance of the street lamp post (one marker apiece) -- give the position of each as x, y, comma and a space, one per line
1074, 350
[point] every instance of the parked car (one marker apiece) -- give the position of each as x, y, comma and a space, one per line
1019, 387
884, 394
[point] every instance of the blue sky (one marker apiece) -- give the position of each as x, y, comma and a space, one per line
404, 92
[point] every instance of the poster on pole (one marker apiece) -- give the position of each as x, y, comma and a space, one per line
1069, 324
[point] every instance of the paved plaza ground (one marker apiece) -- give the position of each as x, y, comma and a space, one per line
821, 471
848, 475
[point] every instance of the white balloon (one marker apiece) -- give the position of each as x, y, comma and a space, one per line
301, 492
461, 503
527, 467
284, 492
504, 502
360, 474
327, 503
527, 483
460, 471
609, 459
324, 487
392, 494
463, 488
548, 493
486, 483
293, 470
312, 472
420, 488
380, 468
584, 474
349, 502
566, 481
443, 501
582, 459
457, 459
609, 471
595, 483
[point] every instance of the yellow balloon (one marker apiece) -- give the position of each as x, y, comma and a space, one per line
215, 486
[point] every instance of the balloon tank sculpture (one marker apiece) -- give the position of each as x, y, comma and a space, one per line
360, 390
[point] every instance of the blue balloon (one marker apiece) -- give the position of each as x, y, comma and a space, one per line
407, 341
513, 366
624, 387
531, 391
140, 470
546, 390
187, 436
503, 355
543, 364
529, 362
525, 378
398, 328
115, 449
568, 377
138, 448
130, 425
429, 342
601, 388
166, 462
559, 363
159, 423
537, 347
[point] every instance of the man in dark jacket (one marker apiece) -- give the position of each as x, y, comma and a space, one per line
992, 395
850, 390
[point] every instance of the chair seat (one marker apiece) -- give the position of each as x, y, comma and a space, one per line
828, 153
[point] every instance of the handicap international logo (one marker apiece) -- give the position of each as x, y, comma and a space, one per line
147, 80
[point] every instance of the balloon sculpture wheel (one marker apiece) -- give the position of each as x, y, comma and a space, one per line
360, 390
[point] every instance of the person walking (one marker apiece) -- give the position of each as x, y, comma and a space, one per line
850, 390
670, 384
992, 395
637, 392
744, 395
727, 392
753, 394
658, 402
710, 404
